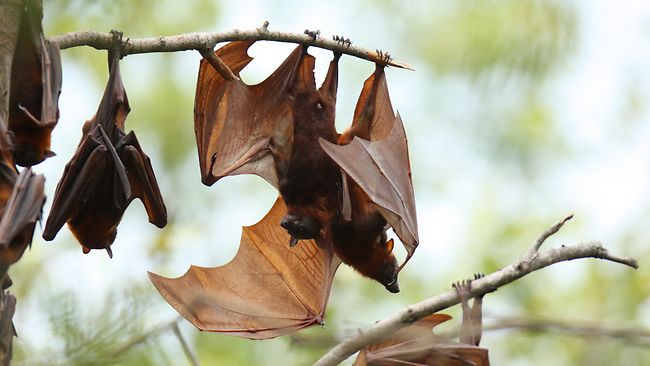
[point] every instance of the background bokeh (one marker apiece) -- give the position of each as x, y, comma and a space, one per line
520, 112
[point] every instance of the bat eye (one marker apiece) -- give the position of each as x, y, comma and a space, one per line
319, 105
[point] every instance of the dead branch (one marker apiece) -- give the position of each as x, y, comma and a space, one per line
530, 262
636, 336
202, 41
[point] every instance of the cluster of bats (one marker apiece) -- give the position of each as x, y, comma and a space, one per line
338, 193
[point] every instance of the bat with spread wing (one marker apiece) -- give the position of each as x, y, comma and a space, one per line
108, 170
273, 129
35, 88
267, 290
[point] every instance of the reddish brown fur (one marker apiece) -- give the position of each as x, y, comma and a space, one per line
310, 184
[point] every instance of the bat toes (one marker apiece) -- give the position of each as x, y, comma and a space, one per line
384, 56
313, 34
342, 40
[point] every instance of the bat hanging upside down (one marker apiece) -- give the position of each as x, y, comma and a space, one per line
341, 190
338, 194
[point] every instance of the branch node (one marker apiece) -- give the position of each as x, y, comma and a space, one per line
218, 64
531, 255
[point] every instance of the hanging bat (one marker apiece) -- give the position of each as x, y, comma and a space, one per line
35, 88
20, 214
267, 290
107, 171
417, 345
283, 130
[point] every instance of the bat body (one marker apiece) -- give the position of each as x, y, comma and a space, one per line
108, 170
19, 216
35, 87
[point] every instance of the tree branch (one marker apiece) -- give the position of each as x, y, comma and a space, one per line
636, 336
202, 41
527, 264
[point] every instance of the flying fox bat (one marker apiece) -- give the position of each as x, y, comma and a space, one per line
417, 345
107, 171
340, 189
267, 290
19, 217
35, 88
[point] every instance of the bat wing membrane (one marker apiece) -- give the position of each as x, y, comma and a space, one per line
267, 290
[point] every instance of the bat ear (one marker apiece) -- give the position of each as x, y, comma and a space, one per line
389, 246
49, 154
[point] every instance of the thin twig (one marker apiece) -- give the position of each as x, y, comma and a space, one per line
514, 271
186, 347
532, 252
202, 41
639, 336
218, 64
145, 336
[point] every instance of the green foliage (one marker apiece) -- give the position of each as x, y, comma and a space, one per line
112, 333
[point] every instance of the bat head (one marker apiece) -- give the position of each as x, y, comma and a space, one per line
94, 233
301, 226
387, 274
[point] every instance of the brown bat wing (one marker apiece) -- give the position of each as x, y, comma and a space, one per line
377, 159
35, 87
267, 290
142, 179
417, 345
81, 176
21, 213
237, 125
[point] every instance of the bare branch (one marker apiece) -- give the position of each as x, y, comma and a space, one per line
218, 64
481, 286
639, 336
186, 347
545, 235
202, 41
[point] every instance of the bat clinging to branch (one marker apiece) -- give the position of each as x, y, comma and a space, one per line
19, 217
108, 170
273, 130
283, 130
35, 88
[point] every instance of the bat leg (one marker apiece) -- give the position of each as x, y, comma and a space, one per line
472, 327
142, 179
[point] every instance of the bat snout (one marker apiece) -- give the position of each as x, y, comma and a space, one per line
392, 287
301, 227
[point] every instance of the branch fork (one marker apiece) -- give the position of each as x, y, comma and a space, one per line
533, 260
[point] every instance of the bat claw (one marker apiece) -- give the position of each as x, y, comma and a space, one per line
110, 252
342, 40
293, 241
313, 34
384, 56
